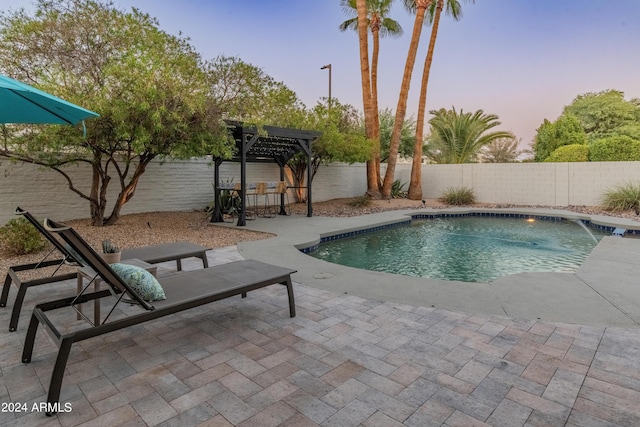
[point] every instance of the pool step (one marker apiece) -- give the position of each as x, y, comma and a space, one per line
619, 232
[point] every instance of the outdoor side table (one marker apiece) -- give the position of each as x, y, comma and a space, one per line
89, 274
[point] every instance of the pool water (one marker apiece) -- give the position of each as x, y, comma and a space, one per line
467, 248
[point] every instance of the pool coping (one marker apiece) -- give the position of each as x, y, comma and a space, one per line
602, 292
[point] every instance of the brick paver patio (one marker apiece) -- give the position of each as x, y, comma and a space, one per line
343, 361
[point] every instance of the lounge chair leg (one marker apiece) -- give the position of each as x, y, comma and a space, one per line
29, 339
292, 304
179, 264
17, 306
244, 295
205, 261
5, 291
58, 374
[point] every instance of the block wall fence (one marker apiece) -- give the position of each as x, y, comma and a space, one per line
187, 185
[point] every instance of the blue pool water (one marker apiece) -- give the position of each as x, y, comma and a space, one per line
467, 248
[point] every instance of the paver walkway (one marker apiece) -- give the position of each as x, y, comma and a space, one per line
343, 361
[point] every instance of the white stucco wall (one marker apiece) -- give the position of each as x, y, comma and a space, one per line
549, 184
185, 185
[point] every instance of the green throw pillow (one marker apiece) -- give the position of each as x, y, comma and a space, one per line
140, 280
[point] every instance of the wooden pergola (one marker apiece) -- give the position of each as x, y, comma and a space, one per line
264, 145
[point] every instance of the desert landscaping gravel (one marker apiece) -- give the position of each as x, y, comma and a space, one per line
145, 229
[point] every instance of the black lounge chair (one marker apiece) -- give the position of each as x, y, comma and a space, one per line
151, 254
12, 273
183, 291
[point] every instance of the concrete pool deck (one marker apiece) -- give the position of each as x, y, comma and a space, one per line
345, 360
604, 290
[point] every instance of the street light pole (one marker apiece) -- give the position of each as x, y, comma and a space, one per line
328, 66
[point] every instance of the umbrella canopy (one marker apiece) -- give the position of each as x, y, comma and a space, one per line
21, 103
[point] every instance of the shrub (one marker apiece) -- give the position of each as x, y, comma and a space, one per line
570, 153
615, 149
360, 202
19, 237
458, 196
397, 190
622, 198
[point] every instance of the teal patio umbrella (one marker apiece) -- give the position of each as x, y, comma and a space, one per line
21, 103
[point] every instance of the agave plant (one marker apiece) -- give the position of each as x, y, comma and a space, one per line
397, 190
108, 247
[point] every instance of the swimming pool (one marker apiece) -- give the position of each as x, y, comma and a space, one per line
467, 248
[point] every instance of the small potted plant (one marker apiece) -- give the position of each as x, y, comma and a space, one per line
110, 252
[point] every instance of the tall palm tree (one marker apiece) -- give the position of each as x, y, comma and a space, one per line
453, 9
381, 26
458, 137
419, 7
367, 101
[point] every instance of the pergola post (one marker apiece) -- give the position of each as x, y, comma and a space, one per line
216, 215
281, 164
242, 218
309, 176
306, 146
246, 146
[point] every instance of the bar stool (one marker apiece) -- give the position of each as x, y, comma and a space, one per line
281, 190
249, 214
261, 191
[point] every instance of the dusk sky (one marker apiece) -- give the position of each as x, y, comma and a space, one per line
523, 60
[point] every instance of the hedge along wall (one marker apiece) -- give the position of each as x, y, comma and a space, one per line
187, 185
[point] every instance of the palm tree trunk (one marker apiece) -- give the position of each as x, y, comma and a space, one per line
373, 181
361, 7
415, 183
401, 109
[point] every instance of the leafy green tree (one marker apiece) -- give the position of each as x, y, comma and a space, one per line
604, 120
566, 130
569, 153
342, 140
381, 25
406, 138
615, 149
502, 150
458, 137
148, 87
631, 130
603, 113
246, 93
